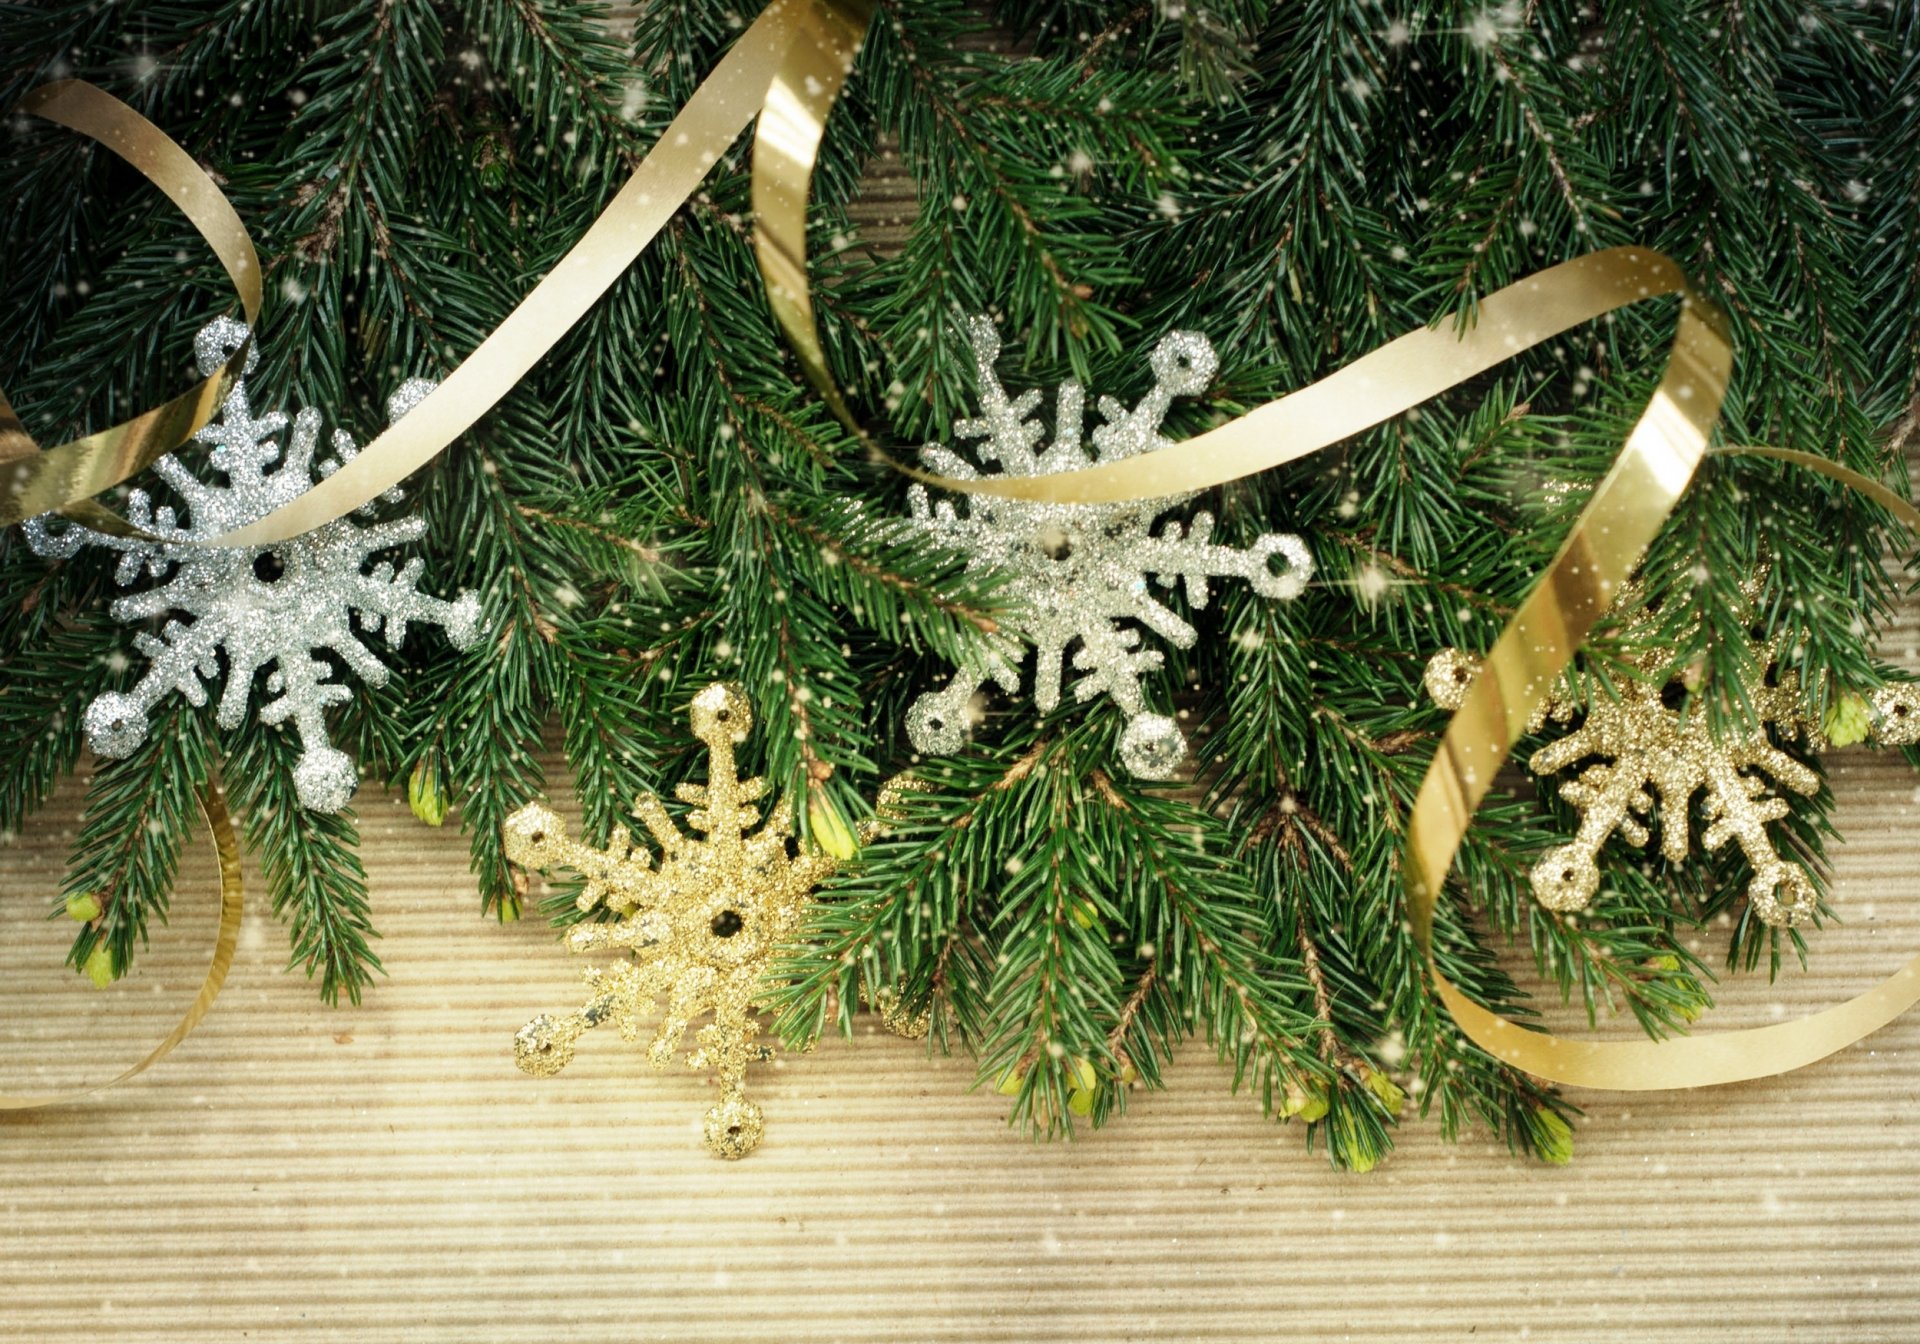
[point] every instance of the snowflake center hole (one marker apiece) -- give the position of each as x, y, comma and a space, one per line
727, 923
268, 567
1673, 696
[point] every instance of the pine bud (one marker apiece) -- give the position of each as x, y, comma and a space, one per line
828, 828
426, 793
1553, 1137
1085, 1085
1301, 1101
1386, 1090
1689, 1009
84, 908
1360, 1161
99, 966
1847, 720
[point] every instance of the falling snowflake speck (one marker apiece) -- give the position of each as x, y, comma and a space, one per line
1079, 570
262, 606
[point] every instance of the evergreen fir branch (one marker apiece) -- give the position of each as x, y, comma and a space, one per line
1001, 228
611, 734
41, 702
1526, 184
1276, 246
311, 863
876, 569
1890, 257
139, 811
1624, 952
487, 725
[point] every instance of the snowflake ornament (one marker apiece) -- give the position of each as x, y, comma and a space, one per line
262, 606
702, 927
1626, 753
1079, 571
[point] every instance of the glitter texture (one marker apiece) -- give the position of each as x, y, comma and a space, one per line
266, 606
1079, 570
1637, 748
702, 927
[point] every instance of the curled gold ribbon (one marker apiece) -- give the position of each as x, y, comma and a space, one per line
786, 147
1458, 778
213, 807
65, 478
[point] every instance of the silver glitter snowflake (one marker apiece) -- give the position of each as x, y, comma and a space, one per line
1079, 570
262, 606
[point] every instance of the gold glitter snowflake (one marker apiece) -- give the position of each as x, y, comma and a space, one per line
702, 927
1640, 747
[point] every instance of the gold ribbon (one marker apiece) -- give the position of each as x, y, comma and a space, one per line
786, 146
213, 807
65, 478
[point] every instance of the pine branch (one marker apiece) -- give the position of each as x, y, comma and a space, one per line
310, 860
140, 810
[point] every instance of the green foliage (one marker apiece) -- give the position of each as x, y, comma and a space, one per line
663, 501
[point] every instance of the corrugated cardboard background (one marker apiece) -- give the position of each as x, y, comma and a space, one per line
384, 1173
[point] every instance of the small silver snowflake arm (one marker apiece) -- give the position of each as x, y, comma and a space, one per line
271, 607
1079, 572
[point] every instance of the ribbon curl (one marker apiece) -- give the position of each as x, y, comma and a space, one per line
65, 478
1626, 511
213, 809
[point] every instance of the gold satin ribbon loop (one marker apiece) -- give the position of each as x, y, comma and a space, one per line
786, 147
1459, 777
65, 478
213, 807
